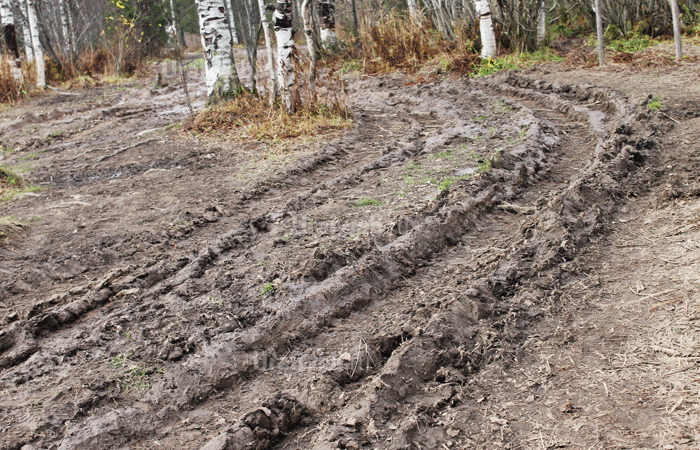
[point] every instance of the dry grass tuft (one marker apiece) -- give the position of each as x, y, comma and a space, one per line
250, 117
75, 73
10, 89
94, 62
82, 82
402, 43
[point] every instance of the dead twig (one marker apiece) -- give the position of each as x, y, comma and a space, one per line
677, 405
517, 208
664, 114
668, 351
122, 150
647, 297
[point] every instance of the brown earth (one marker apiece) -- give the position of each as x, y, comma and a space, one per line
510, 262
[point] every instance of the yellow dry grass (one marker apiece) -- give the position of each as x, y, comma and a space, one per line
10, 89
250, 117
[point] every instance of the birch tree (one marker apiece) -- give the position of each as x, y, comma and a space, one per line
675, 12
355, 22
64, 11
270, 53
220, 68
36, 45
71, 27
541, 23
488, 37
413, 10
600, 34
9, 32
309, 33
173, 28
282, 21
326, 13
26, 34
231, 22
246, 15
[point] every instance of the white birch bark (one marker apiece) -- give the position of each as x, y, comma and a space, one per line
6, 16
62, 8
9, 33
488, 37
326, 12
26, 34
6, 13
221, 75
36, 45
600, 33
71, 28
170, 30
309, 33
541, 23
675, 13
173, 16
270, 53
282, 21
231, 22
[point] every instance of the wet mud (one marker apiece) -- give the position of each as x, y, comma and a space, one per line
181, 292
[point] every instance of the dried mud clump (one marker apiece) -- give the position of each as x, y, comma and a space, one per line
274, 419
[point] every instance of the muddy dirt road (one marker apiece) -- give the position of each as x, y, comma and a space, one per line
508, 262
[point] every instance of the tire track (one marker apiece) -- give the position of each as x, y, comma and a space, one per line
457, 324
298, 314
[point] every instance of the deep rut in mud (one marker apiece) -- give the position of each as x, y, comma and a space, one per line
345, 301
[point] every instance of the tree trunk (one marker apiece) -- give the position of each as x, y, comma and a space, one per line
440, 20
36, 45
413, 10
26, 34
222, 78
250, 29
676, 29
231, 22
282, 21
488, 37
175, 33
469, 8
270, 53
652, 15
71, 28
355, 23
541, 23
9, 31
309, 33
600, 33
63, 11
326, 12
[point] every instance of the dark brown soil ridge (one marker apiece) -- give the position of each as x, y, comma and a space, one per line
299, 312
349, 289
552, 240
